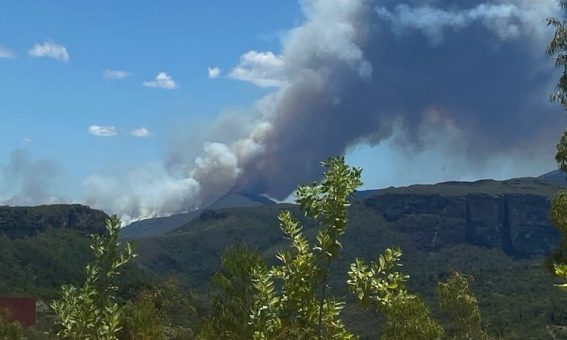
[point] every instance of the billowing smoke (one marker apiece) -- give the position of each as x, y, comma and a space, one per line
28, 181
471, 75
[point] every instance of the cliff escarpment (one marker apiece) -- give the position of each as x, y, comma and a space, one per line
516, 222
20, 222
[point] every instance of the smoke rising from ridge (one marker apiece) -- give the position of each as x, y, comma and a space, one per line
28, 181
474, 76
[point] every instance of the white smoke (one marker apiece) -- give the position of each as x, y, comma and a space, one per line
334, 88
28, 181
143, 192
329, 31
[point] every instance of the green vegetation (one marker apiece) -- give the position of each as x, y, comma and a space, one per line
10, 330
558, 50
91, 311
381, 287
164, 311
249, 298
232, 296
524, 186
290, 300
461, 309
516, 295
304, 293
302, 307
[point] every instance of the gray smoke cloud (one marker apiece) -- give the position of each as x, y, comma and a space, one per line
28, 181
471, 78
508, 20
358, 72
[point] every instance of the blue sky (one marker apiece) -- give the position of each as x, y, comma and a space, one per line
135, 106
53, 102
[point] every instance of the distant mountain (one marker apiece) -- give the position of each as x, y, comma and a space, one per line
43, 247
555, 176
161, 225
496, 231
241, 200
19, 222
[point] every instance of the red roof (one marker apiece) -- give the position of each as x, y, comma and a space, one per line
21, 310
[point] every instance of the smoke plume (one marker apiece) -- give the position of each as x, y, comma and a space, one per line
471, 75
28, 181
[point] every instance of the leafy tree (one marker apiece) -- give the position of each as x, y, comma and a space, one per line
91, 311
381, 287
162, 312
557, 48
233, 295
141, 319
292, 298
461, 308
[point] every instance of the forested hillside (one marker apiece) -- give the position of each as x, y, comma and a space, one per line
497, 231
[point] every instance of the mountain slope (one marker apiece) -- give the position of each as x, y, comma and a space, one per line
161, 225
495, 231
43, 247
555, 176
19, 222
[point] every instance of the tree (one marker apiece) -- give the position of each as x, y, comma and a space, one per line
380, 287
292, 298
557, 48
461, 309
233, 296
91, 311
162, 312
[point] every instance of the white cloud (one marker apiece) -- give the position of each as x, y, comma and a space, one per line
49, 49
264, 69
26, 140
102, 130
140, 132
214, 72
115, 74
7, 53
163, 81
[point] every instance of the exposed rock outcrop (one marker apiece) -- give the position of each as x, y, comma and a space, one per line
518, 223
19, 222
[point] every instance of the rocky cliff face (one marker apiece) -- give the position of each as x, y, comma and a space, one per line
19, 222
518, 223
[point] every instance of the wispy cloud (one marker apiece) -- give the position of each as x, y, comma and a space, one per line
141, 132
102, 130
49, 49
115, 74
7, 53
163, 81
214, 72
264, 69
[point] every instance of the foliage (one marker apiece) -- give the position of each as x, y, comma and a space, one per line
557, 48
91, 311
158, 313
232, 296
377, 285
381, 287
460, 307
293, 308
410, 318
10, 330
